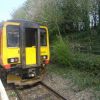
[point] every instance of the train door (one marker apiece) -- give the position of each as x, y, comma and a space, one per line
30, 39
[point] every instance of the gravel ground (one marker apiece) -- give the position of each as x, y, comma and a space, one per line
64, 86
68, 89
36, 92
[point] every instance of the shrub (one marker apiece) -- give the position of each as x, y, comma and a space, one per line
61, 52
87, 62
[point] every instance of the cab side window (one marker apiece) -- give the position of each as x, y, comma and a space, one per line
12, 36
43, 37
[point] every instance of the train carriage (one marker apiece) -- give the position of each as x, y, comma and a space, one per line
24, 51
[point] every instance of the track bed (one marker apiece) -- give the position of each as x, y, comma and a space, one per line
39, 91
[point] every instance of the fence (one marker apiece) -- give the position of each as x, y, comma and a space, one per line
94, 49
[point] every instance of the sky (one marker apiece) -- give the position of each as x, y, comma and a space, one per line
7, 7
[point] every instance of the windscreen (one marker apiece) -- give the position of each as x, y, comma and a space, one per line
12, 36
31, 37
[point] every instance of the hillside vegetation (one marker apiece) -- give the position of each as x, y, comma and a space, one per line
74, 28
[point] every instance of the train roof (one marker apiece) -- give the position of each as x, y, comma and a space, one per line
24, 22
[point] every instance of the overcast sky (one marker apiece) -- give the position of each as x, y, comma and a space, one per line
7, 7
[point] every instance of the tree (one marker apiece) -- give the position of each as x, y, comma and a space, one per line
61, 16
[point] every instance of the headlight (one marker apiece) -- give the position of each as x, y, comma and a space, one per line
44, 57
13, 60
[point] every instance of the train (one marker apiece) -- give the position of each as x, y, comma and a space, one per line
24, 51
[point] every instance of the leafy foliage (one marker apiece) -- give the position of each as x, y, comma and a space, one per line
87, 62
61, 16
61, 53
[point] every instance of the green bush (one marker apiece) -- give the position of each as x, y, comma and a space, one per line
87, 62
61, 52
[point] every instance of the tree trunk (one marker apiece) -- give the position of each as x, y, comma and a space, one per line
99, 11
95, 19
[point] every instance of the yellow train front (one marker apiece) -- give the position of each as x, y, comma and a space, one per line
24, 51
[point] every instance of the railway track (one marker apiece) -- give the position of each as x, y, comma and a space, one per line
53, 91
17, 93
38, 92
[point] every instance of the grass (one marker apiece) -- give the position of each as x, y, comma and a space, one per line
81, 79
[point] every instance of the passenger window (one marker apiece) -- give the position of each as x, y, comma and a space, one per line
12, 36
43, 37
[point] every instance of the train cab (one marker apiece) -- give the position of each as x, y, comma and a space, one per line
24, 51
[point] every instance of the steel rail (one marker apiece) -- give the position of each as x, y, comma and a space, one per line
53, 91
